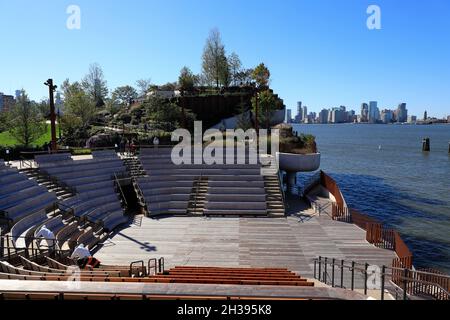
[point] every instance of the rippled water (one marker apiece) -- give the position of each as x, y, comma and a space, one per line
383, 172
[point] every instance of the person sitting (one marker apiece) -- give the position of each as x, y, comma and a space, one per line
46, 234
83, 258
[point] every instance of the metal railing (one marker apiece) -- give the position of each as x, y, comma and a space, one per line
117, 183
283, 194
412, 284
34, 248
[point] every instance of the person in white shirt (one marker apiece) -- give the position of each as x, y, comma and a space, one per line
48, 235
80, 252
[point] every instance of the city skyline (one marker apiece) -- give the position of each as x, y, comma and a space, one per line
319, 50
369, 112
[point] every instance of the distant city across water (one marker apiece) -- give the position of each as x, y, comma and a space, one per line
383, 172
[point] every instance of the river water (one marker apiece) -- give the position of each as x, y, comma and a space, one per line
383, 172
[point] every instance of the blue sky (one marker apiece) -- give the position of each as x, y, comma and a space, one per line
318, 51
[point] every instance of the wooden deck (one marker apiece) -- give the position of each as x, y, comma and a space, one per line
290, 242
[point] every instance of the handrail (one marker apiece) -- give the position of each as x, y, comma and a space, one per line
150, 267
410, 281
141, 262
196, 191
120, 188
280, 184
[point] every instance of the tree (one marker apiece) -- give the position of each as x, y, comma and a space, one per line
244, 76
44, 108
267, 104
26, 122
186, 80
261, 75
95, 84
144, 86
234, 65
214, 61
78, 103
166, 115
124, 95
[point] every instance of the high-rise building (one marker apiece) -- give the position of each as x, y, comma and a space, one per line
374, 112
299, 116
387, 116
323, 116
305, 114
6, 102
425, 116
18, 94
288, 116
412, 119
364, 112
402, 113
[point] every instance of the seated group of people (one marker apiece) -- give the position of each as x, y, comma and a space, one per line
80, 255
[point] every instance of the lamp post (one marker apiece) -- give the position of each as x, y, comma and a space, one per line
51, 89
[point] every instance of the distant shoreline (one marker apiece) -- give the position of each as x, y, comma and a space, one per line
378, 124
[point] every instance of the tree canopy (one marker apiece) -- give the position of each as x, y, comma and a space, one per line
95, 85
26, 121
214, 60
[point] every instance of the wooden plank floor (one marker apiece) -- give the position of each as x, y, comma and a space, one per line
290, 242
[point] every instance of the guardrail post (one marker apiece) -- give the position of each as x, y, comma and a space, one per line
366, 266
353, 275
332, 272
8, 247
325, 270
342, 273
315, 266
405, 275
320, 267
383, 270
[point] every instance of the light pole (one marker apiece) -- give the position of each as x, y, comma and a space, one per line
51, 89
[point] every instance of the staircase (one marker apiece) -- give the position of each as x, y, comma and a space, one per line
62, 192
134, 166
197, 199
274, 196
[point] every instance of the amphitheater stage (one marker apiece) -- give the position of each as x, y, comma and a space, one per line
291, 242
178, 290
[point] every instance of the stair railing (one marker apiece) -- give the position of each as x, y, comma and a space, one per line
117, 183
280, 184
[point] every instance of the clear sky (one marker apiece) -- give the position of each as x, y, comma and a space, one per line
319, 51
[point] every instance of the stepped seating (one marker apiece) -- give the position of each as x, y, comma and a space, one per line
231, 189
191, 275
37, 203
24, 229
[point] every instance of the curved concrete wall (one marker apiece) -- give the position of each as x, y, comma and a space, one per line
298, 162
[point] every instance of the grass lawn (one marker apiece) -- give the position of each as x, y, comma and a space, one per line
6, 140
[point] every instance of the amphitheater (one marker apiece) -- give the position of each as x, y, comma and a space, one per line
165, 231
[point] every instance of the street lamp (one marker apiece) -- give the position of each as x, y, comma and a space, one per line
51, 89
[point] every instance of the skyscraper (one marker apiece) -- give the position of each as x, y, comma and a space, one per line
288, 116
299, 116
402, 113
425, 115
364, 112
323, 116
305, 113
374, 112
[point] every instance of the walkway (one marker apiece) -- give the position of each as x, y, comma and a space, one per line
290, 242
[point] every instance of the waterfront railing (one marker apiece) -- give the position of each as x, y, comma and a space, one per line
402, 283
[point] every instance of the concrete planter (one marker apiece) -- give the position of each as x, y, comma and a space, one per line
290, 162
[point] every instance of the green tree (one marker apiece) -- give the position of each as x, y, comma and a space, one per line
26, 121
267, 104
214, 61
166, 115
261, 75
4, 119
123, 95
78, 103
95, 85
234, 65
186, 80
